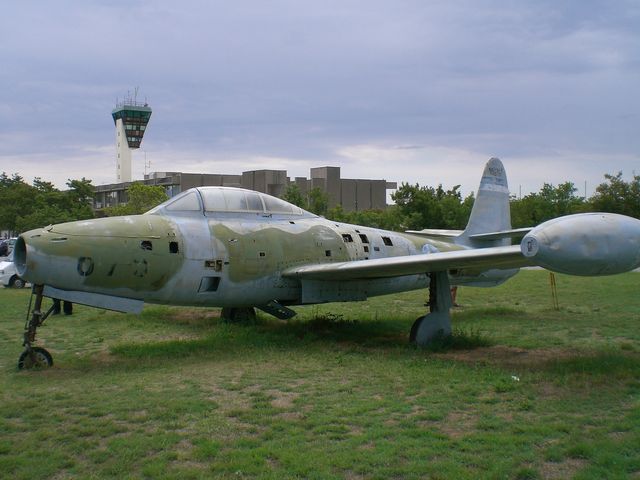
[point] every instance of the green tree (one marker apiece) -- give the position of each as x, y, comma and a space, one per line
293, 195
550, 202
6, 181
31, 206
337, 214
41, 216
16, 200
617, 196
42, 186
81, 191
318, 201
79, 198
428, 207
141, 199
388, 218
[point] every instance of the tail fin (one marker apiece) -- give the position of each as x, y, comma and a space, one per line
491, 211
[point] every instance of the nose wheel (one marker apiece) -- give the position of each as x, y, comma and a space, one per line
35, 357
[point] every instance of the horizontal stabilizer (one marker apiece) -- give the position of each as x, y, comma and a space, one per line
433, 232
513, 233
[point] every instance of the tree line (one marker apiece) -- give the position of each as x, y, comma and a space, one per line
26, 206
417, 207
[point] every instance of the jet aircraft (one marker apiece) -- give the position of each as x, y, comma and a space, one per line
240, 250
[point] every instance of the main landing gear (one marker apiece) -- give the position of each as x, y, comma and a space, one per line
35, 357
437, 323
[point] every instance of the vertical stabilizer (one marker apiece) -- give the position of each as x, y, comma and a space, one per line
491, 211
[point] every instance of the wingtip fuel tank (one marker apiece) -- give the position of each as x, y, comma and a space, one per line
588, 244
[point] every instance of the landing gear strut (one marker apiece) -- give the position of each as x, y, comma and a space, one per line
437, 323
35, 357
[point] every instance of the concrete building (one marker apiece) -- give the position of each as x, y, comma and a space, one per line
115, 194
352, 194
327, 179
273, 182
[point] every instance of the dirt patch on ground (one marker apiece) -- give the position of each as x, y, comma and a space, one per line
229, 399
458, 424
282, 399
194, 316
351, 475
367, 446
565, 469
103, 357
504, 356
291, 416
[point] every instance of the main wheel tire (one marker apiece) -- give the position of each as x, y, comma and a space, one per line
37, 358
17, 282
414, 329
430, 327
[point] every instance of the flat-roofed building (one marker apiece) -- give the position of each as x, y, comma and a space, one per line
352, 194
115, 194
273, 182
328, 180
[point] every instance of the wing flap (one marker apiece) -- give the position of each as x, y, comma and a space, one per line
489, 258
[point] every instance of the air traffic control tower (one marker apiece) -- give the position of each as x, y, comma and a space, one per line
131, 119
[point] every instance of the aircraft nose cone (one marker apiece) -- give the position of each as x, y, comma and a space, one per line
32, 256
129, 254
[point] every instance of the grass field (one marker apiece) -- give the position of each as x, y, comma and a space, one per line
336, 393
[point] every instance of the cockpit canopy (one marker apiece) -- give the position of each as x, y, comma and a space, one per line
228, 200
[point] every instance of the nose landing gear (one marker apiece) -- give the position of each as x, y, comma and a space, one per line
35, 357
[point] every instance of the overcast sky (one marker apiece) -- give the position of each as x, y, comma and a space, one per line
416, 91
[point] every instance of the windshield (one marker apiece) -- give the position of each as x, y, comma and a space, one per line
228, 199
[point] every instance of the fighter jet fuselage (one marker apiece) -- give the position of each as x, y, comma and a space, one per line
239, 249
221, 259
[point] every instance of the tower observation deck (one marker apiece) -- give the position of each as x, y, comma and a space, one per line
131, 119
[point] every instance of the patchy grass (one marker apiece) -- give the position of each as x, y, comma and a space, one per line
522, 391
460, 339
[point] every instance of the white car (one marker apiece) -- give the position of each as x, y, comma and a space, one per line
8, 274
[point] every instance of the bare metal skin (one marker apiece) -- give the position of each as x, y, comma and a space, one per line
224, 247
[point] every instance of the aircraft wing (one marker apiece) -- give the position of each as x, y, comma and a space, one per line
483, 258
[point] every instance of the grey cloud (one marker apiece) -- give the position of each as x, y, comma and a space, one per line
301, 80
